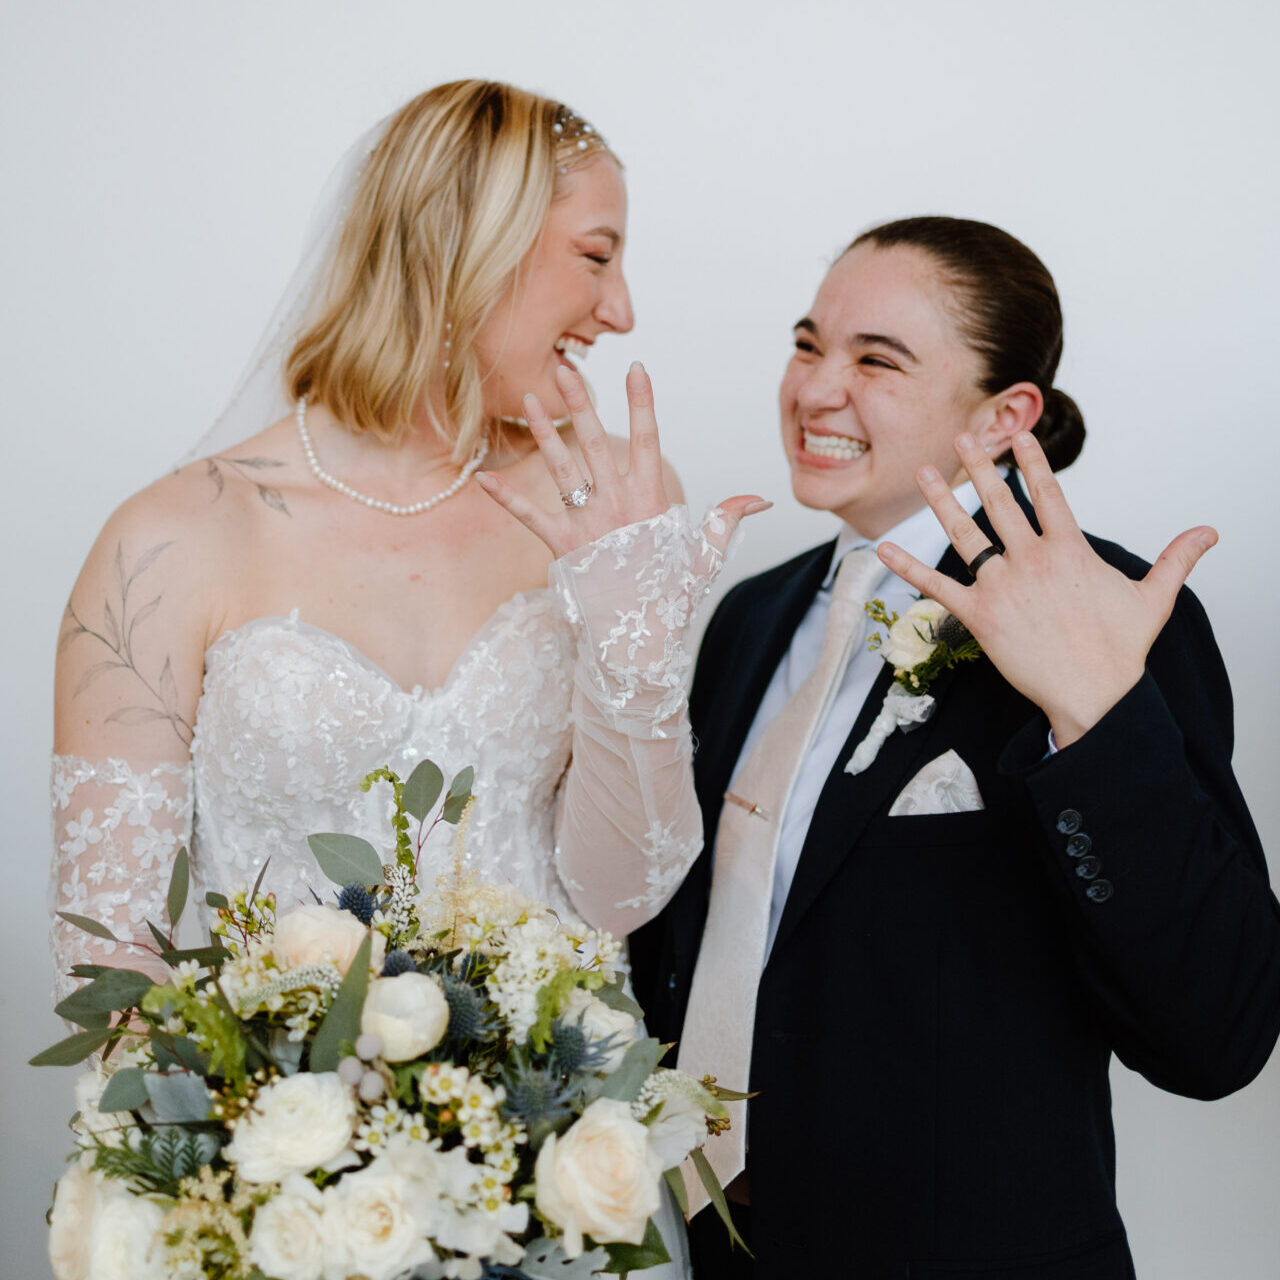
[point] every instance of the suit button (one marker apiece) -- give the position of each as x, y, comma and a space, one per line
1100, 891
1088, 867
1079, 845
1069, 821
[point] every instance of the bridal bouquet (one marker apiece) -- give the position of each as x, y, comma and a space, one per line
400, 1083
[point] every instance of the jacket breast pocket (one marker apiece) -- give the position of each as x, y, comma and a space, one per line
1104, 1257
933, 830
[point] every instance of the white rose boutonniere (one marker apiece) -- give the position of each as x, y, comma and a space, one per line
920, 645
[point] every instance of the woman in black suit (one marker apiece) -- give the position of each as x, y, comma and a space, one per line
945, 983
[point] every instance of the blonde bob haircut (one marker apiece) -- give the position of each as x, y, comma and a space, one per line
453, 196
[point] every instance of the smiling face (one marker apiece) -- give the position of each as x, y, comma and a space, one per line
881, 382
567, 291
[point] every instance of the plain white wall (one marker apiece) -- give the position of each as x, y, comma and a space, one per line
159, 162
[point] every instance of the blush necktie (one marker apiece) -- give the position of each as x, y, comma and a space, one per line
719, 1023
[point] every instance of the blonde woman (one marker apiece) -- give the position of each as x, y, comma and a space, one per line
253, 633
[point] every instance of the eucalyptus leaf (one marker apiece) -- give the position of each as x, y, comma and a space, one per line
84, 1014
422, 790
459, 794
637, 1065
342, 1022
346, 859
179, 885
216, 901
615, 997
125, 1091
675, 1180
716, 1192
89, 926
89, 970
115, 989
73, 1049
257, 884
544, 1260
179, 1097
161, 941
201, 955
650, 1252
181, 1052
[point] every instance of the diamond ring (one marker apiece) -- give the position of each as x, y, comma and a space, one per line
577, 497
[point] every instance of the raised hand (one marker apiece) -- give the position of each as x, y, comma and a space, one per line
616, 498
1062, 626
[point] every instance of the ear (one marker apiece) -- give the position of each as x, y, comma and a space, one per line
1000, 417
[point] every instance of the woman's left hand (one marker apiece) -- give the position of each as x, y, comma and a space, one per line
1066, 629
615, 498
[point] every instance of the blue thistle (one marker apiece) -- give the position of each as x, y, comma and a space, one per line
573, 1053
537, 1097
471, 1016
359, 901
397, 961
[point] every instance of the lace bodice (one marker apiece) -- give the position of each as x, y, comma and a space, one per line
569, 702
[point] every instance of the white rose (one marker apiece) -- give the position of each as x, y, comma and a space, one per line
680, 1126
288, 1240
408, 1013
914, 636
296, 1125
76, 1203
107, 1126
126, 1241
319, 934
599, 1022
374, 1225
599, 1178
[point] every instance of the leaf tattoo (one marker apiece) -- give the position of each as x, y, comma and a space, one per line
241, 466
117, 634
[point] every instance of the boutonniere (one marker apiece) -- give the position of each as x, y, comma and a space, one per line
920, 646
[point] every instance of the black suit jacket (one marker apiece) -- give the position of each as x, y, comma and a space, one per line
937, 1016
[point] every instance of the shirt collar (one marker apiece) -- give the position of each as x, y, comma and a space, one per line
919, 534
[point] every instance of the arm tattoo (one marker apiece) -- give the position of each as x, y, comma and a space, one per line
240, 466
116, 634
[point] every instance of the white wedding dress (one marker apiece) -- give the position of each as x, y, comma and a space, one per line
570, 702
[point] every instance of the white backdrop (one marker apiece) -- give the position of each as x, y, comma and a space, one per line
159, 163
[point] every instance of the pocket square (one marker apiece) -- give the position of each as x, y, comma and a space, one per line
944, 785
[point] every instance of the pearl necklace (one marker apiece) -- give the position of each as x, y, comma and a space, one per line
415, 508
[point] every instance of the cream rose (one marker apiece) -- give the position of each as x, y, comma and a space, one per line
76, 1203
599, 1022
318, 934
599, 1178
126, 1242
408, 1013
373, 1220
288, 1239
913, 637
296, 1125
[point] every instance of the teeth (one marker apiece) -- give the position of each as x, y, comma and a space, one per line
839, 447
573, 346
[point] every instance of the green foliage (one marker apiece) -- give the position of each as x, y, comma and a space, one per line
614, 996
346, 859
636, 1067
342, 1022
919, 679
88, 925
716, 1192
179, 883
675, 1180
551, 998
213, 1027
73, 1049
399, 820
158, 1159
216, 900
650, 1252
125, 1091
423, 788
459, 795
114, 990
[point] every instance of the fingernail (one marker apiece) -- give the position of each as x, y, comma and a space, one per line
530, 401
753, 507
482, 478
1207, 540
931, 474
1025, 437
965, 441
636, 367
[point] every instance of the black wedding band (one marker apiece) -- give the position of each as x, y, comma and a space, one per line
983, 556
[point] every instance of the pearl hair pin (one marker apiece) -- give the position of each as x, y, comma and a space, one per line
416, 508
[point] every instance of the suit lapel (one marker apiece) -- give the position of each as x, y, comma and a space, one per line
848, 802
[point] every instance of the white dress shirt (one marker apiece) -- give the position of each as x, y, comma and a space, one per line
923, 537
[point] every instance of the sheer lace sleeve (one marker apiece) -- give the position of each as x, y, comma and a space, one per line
628, 826
116, 832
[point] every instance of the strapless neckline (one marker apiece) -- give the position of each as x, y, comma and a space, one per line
500, 617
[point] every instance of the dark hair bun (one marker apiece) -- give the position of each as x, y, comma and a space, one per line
1060, 430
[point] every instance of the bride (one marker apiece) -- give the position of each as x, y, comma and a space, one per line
344, 589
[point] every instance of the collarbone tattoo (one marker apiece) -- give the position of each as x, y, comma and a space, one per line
244, 469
